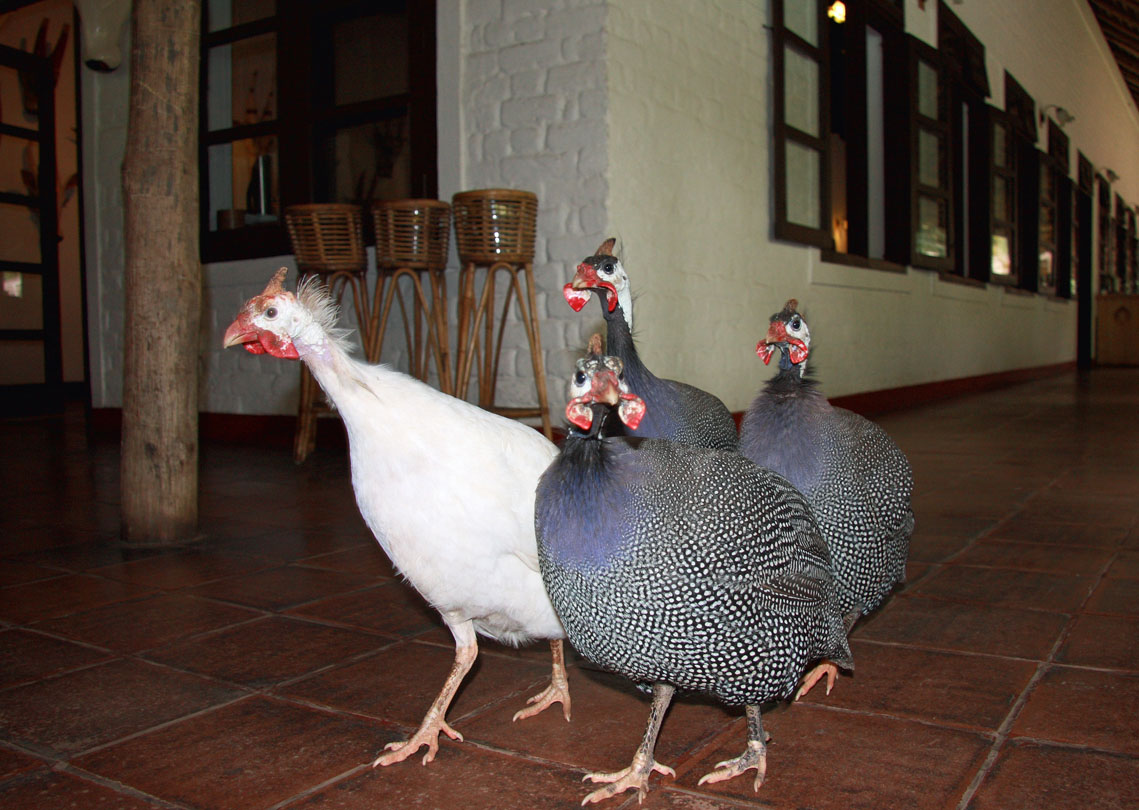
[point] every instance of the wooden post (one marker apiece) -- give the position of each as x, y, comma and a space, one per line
162, 277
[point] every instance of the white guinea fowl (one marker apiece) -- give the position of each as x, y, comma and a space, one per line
446, 487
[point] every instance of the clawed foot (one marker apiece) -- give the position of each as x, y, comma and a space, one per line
827, 668
754, 757
554, 693
635, 777
428, 734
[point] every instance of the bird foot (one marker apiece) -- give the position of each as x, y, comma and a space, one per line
635, 777
554, 693
828, 668
428, 734
754, 757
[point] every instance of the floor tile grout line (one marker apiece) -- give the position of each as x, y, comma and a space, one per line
313, 789
1014, 712
118, 787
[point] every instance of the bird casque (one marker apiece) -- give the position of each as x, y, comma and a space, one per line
676, 410
681, 568
446, 487
855, 477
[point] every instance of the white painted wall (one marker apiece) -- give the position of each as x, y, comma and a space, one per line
649, 120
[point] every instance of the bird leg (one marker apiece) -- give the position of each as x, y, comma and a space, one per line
556, 692
636, 776
828, 668
466, 650
754, 757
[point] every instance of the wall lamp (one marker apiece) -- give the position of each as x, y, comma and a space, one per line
1062, 116
837, 11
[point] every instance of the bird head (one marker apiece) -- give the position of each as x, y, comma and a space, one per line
787, 332
267, 322
599, 383
601, 273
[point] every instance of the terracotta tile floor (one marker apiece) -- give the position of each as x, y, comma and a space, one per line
265, 666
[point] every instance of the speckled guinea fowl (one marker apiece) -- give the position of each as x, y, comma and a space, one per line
676, 410
680, 567
855, 477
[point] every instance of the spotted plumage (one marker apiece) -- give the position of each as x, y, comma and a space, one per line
676, 411
681, 567
855, 477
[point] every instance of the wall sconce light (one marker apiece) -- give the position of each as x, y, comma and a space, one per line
1111, 174
837, 11
1062, 116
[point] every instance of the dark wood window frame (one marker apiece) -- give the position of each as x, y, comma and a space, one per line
847, 109
1022, 116
968, 82
305, 114
940, 128
1004, 223
785, 39
1104, 236
1058, 163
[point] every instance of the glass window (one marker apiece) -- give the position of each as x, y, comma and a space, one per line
930, 156
329, 102
839, 119
1002, 222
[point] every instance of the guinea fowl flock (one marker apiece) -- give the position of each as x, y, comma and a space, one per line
665, 546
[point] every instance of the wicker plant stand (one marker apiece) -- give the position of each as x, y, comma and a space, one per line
495, 230
328, 242
411, 240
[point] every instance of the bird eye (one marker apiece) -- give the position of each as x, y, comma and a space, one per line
579, 378
608, 267
271, 313
796, 323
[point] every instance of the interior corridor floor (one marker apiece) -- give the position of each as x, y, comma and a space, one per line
266, 666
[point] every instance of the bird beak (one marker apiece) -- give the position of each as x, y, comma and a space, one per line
776, 334
606, 388
239, 332
577, 291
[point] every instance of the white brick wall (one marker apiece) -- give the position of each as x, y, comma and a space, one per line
534, 111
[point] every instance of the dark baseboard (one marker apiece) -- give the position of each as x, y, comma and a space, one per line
273, 430
277, 430
872, 403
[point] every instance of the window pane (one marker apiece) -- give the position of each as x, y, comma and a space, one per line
368, 162
1000, 146
1002, 197
1002, 257
802, 185
20, 228
1047, 225
801, 92
369, 56
223, 14
1047, 183
927, 90
802, 17
931, 237
929, 158
243, 183
875, 145
242, 82
1046, 278
21, 303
